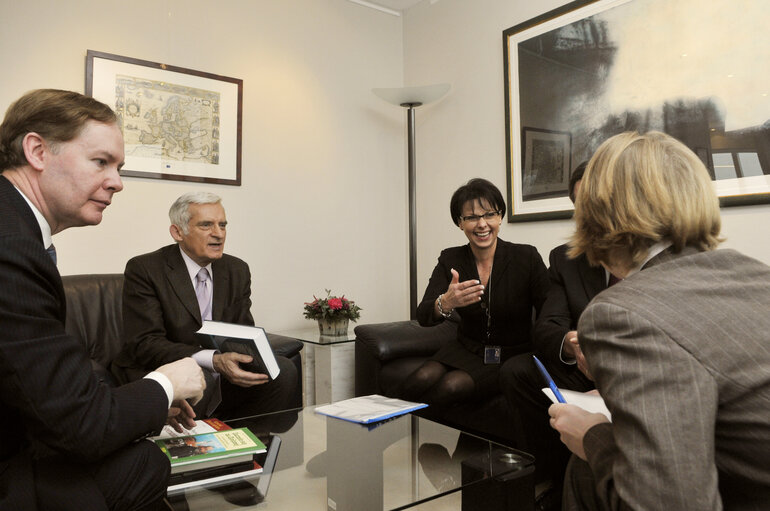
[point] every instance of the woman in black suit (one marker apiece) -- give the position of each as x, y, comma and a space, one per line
493, 286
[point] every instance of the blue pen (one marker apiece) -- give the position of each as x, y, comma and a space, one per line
549, 380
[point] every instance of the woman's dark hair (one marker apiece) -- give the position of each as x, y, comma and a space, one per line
576, 176
477, 189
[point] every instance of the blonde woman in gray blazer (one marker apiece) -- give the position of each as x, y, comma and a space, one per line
680, 349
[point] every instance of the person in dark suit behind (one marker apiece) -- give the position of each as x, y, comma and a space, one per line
494, 286
574, 282
162, 311
67, 438
679, 350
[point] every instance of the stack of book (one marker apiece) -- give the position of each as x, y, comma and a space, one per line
209, 454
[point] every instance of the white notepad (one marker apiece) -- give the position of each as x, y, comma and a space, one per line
589, 402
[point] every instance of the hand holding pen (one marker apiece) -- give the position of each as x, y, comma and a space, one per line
548, 380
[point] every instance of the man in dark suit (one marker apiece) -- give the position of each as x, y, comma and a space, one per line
574, 282
167, 294
680, 349
67, 438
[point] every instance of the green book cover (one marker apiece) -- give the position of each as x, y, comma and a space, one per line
211, 449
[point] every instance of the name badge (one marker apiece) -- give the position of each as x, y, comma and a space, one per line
492, 354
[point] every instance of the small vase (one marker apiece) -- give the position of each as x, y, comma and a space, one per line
333, 327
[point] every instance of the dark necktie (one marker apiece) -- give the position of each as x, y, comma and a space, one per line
52, 252
613, 280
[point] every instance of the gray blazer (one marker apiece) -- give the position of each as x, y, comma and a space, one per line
681, 354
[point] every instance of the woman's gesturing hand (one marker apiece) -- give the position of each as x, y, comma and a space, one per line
460, 294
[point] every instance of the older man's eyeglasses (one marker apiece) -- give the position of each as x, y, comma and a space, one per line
491, 216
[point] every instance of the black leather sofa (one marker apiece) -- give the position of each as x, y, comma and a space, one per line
95, 318
386, 353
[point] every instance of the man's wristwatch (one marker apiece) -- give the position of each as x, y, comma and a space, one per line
446, 314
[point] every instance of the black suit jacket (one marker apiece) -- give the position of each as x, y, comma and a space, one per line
161, 313
51, 400
518, 284
574, 283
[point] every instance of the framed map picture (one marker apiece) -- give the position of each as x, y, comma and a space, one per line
177, 123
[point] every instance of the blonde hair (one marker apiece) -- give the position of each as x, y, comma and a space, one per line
641, 189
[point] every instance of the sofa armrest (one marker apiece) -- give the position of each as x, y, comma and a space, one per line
389, 341
284, 346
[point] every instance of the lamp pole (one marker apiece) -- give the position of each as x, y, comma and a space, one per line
411, 98
412, 179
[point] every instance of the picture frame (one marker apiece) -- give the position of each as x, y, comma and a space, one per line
596, 68
178, 124
546, 163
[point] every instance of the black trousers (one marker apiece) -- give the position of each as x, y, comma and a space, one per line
133, 478
580, 487
521, 384
238, 402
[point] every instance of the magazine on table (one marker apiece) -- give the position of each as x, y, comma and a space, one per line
201, 426
368, 409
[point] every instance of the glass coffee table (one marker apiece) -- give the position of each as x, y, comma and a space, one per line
316, 462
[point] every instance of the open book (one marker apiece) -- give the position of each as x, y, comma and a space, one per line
249, 340
589, 402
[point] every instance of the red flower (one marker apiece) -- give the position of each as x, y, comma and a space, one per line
335, 304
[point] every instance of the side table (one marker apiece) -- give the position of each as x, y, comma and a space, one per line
328, 363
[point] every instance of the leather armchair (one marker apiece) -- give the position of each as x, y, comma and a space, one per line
386, 353
95, 318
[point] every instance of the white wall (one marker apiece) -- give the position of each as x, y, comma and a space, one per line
323, 199
463, 135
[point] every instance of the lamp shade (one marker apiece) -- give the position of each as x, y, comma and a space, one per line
416, 96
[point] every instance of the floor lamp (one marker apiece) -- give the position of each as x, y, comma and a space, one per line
410, 98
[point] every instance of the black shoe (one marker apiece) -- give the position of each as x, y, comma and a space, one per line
240, 493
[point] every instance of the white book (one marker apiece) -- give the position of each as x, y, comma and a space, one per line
368, 409
589, 402
250, 340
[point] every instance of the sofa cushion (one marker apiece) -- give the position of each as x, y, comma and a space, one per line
94, 313
284, 346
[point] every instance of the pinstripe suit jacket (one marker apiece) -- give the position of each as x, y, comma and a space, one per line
52, 403
680, 351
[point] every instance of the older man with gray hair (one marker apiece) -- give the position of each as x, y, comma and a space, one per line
170, 292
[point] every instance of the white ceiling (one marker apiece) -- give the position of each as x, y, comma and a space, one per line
398, 5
